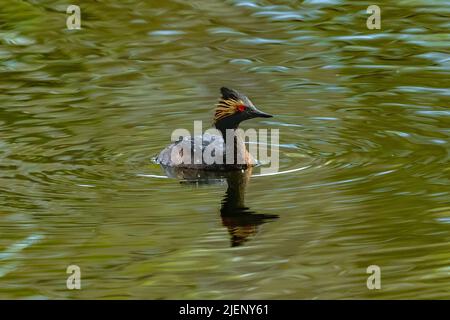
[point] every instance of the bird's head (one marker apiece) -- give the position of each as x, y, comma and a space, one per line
233, 108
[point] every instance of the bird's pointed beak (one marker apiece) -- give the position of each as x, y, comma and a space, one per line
259, 114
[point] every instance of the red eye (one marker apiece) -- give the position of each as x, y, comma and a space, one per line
241, 108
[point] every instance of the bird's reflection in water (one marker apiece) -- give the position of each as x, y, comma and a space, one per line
241, 222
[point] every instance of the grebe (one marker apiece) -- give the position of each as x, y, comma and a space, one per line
232, 109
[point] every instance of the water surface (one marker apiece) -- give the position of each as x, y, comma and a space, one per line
364, 112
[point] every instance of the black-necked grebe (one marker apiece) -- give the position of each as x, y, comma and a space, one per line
232, 109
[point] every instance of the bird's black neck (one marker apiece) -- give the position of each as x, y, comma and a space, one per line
224, 125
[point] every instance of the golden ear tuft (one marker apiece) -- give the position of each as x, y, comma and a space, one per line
225, 108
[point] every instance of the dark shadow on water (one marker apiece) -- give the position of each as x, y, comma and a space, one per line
242, 223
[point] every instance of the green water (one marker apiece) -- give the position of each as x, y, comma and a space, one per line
364, 112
